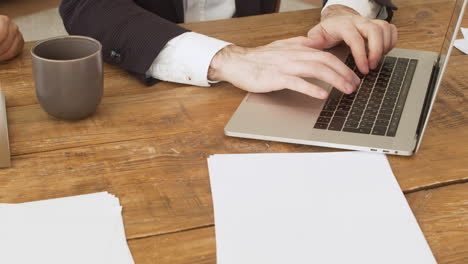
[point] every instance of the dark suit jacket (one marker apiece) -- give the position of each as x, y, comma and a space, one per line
133, 32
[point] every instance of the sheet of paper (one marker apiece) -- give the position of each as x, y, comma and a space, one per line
464, 32
462, 44
79, 229
312, 208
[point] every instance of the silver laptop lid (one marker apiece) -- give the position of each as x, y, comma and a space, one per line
4, 144
444, 54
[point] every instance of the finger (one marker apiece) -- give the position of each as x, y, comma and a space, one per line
374, 36
322, 72
317, 37
12, 34
337, 65
300, 85
14, 49
386, 35
354, 40
309, 54
394, 35
4, 27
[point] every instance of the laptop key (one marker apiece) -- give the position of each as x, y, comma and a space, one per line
379, 130
337, 123
329, 107
365, 130
371, 111
351, 129
354, 117
390, 100
380, 122
321, 126
366, 124
349, 96
356, 112
346, 102
386, 110
324, 119
334, 94
383, 116
344, 107
341, 113
326, 113
357, 130
352, 123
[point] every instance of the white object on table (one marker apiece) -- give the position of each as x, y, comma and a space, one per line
462, 44
312, 208
78, 229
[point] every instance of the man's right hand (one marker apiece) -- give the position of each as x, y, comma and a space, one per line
282, 65
11, 39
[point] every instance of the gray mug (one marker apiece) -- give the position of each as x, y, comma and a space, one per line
68, 75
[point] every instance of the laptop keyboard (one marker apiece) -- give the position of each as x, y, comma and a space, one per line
376, 105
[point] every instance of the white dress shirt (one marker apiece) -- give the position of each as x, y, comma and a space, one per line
187, 58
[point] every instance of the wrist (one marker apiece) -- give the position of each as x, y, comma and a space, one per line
337, 10
219, 66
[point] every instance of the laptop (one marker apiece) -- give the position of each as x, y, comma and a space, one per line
388, 112
4, 144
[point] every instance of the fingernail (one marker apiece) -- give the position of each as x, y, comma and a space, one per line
323, 94
366, 70
349, 87
357, 80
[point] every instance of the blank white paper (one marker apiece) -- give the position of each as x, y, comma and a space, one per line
462, 44
338, 208
78, 229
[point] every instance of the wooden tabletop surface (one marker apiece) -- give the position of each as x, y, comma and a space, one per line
148, 145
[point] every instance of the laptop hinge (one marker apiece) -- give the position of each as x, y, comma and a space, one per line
428, 99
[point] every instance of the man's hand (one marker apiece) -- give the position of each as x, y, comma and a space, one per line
11, 39
280, 65
341, 23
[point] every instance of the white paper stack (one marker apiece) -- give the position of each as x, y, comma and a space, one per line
327, 208
79, 229
462, 44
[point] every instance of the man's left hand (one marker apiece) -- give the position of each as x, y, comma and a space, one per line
341, 23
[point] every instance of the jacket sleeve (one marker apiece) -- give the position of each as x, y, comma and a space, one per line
131, 37
386, 3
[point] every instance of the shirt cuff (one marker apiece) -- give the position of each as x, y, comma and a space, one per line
366, 8
186, 59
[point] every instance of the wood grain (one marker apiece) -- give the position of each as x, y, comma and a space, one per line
421, 26
148, 145
442, 214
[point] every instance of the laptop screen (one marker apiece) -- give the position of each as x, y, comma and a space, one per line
447, 45
452, 32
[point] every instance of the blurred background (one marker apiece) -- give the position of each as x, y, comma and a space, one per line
39, 19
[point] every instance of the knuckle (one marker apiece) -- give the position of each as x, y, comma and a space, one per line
356, 38
381, 22
375, 28
361, 19
14, 27
6, 19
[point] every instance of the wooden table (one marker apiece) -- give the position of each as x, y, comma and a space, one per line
148, 145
